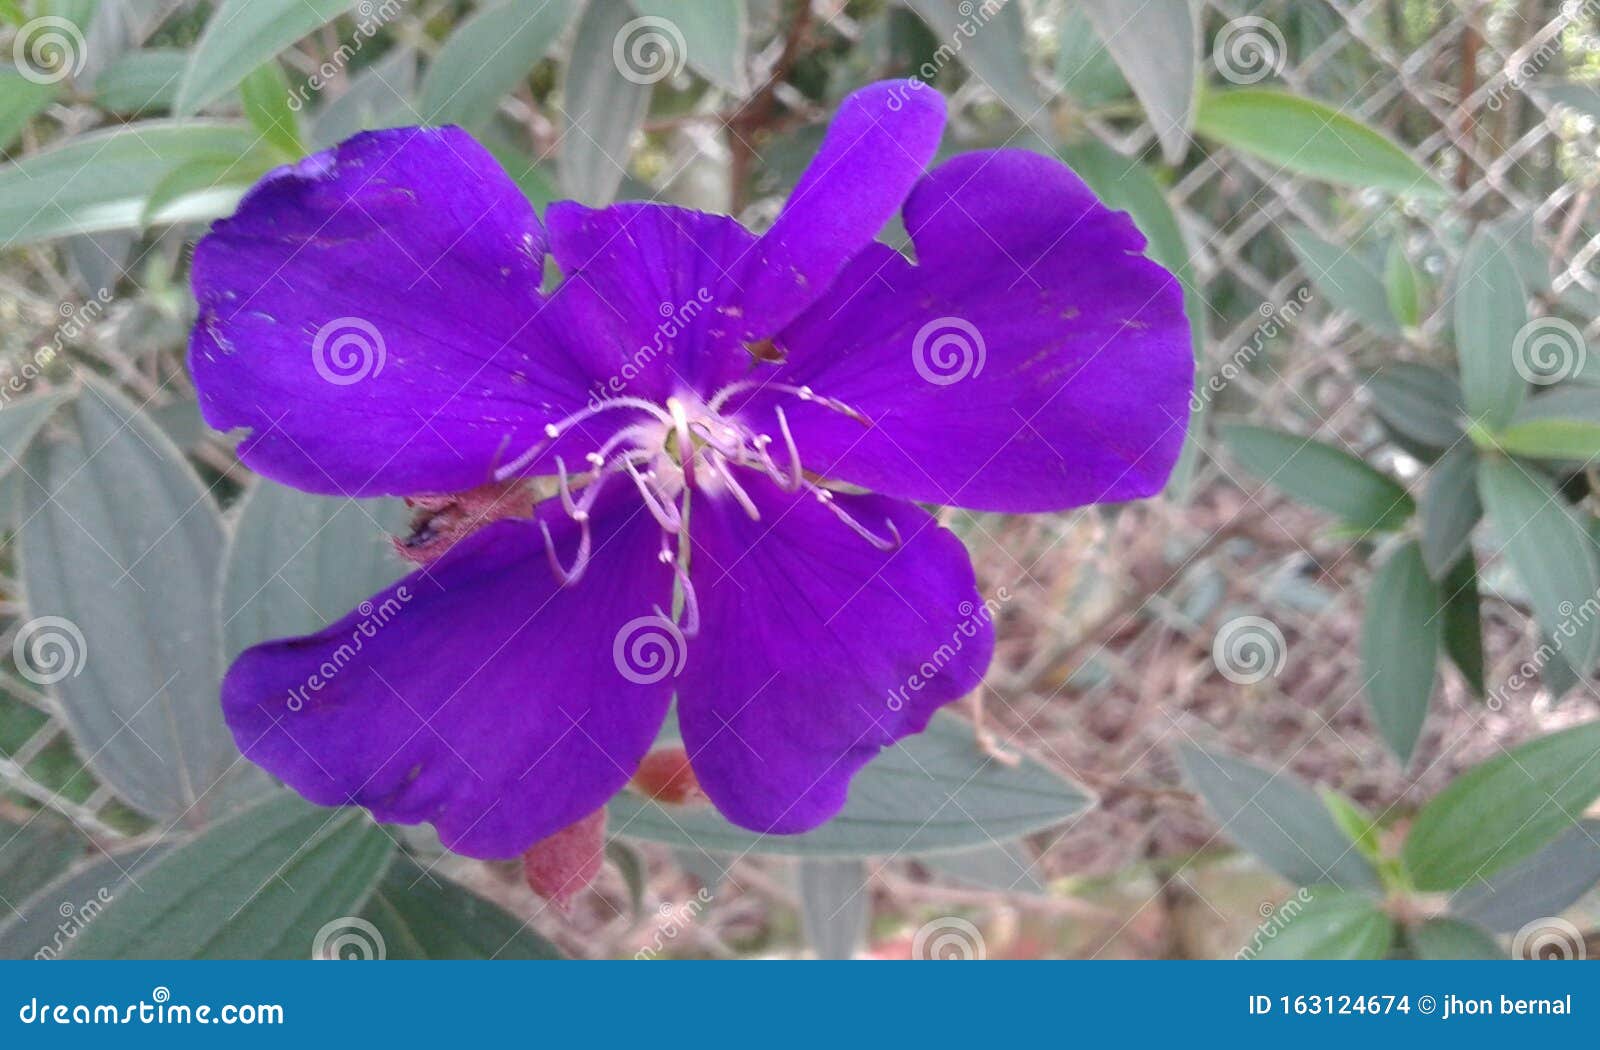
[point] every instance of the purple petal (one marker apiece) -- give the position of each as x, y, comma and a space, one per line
373, 315
817, 649
656, 285
1033, 360
875, 151
476, 695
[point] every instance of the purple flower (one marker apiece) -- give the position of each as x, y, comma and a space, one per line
373, 316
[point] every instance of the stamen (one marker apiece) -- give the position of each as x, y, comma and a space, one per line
720, 464
554, 430
662, 509
825, 498
566, 577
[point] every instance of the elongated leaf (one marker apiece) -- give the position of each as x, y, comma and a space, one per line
21, 98
121, 552
933, 791
604, 107
1463, 623
1551, 551
242, 35
1401, 281
1452, 939
1450, 510
1420, 403
1277, 817
420, 915
1344, 277
712, 32
1333, 925
99, 181
275, 881
265, 95
488, 56
1563, 402
1311, 138
1568, 439
298, 562
1085, 70
1006, 867
44, 925
1547, 883
834, 906
1322, 476
215, 176
20, 422
141, 81
1491, 306
378, 97
1399, 648
1157, 46
1505, 810
993, 48
31, 854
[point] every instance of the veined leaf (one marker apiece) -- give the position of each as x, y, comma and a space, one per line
1400, 646
1322, 476
605, 108
1157, 46
1491, 306
487, 56
712, 33
419, 915
240, 36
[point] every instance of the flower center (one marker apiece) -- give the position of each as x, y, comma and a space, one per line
672, 449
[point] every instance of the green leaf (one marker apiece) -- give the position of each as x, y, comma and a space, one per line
1005, 867
995, 53
1452, 939
1463, 623
1564, 402
141, 81
1547, 883
1400, 638
1355, 822
1419, 403
218, 177
1491, 306
1503, 811
630, 864
266, 883
1569, 439
99, 181
709, 33
1342, 276
933, 791
19, 424
33, 853
121, 552
378, 97
1311, 138
604, 107
1277, 817
1157, 46
265, 95
1450, 510
298, 562
241, 36
1404, 287
487, 56
21, 99
1333, 925
1321, 476
1551, 551
834, 906
420, 915
44, 925
1085, 70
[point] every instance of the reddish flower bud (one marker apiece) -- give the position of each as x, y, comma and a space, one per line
666, 776
559, 867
